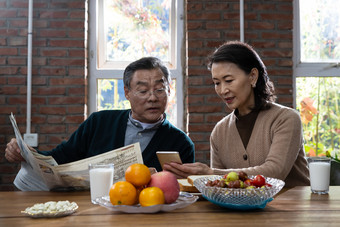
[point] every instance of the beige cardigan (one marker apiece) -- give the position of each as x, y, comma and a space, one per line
275, 148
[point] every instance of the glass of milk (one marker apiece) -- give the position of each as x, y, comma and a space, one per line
319, 173
101, 180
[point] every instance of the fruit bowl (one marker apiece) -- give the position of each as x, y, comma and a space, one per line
239, 198
184, 199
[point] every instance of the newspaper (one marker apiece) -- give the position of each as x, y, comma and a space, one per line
42, 173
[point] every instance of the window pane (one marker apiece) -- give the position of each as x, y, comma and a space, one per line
318, 100
171, 112
137, 28
111, 96
320, 30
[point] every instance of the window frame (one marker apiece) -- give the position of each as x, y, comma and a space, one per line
98, 69
307, 69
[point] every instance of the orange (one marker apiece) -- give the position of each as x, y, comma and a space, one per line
138, 174
123, 193
151, 196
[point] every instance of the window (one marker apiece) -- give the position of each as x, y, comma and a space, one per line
317, 74
124, 31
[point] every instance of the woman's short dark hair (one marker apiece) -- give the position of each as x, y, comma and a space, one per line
246, 58
145, 63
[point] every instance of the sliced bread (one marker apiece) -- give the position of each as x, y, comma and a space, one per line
185, 186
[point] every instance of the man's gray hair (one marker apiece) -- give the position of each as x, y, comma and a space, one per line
145, 63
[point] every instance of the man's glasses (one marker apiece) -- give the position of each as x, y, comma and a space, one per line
145, 94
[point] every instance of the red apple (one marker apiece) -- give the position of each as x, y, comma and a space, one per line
168, 183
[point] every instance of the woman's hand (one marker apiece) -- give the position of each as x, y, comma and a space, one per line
182, 171
12, 152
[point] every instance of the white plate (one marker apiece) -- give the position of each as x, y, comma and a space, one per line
184, 199
45, 210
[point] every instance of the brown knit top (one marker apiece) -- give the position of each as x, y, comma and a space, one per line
275, 147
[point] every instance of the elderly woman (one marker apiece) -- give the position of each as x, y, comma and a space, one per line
259, 136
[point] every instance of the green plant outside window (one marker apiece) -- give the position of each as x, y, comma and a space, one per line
318, 100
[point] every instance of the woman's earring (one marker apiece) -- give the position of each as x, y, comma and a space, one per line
253, 85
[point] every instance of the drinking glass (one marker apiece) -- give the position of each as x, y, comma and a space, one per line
101, 180
319, 173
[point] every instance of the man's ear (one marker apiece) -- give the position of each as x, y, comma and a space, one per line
127, 93
169, 90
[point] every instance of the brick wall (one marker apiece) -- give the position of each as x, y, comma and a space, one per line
60, 61
58, 72
268, 28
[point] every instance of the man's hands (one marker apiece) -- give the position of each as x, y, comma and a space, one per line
12, 152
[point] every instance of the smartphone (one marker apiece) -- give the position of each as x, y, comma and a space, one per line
168, 156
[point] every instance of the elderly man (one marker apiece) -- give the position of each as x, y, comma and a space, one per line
146, 86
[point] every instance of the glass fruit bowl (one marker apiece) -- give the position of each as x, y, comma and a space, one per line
239, 198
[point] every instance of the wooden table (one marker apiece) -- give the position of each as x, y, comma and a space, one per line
293, 207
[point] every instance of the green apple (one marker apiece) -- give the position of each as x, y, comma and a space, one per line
241, 184
232, 176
